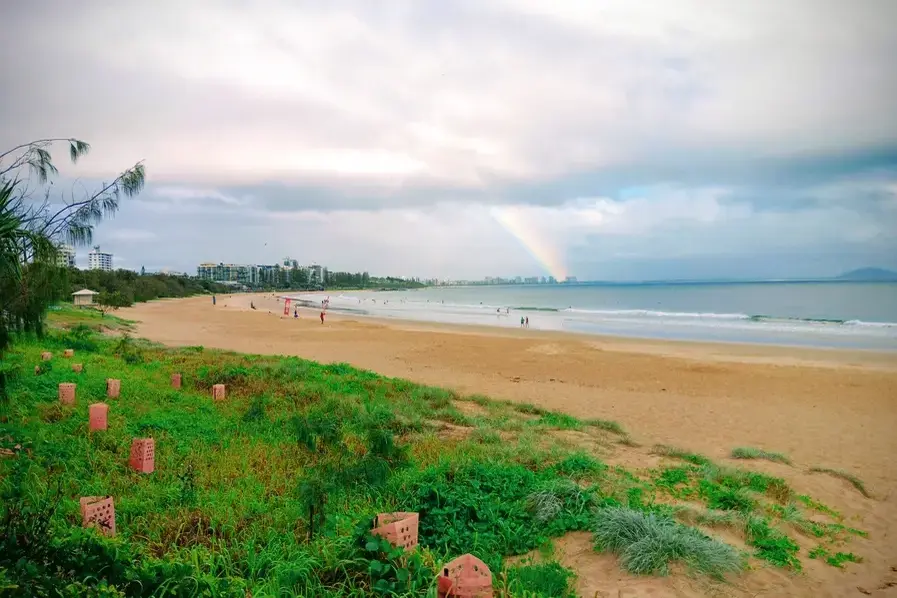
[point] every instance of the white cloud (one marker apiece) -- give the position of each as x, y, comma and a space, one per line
130, 234
249, 114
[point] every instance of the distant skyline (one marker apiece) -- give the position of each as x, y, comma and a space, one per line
607, 140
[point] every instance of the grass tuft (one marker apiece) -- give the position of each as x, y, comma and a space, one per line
647, 543
755, 453
677, 453
848, 477
607, 425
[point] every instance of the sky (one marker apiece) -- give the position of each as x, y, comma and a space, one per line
608, 140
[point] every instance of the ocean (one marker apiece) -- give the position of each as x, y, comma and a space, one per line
814, 314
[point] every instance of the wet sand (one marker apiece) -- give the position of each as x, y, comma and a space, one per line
834, 409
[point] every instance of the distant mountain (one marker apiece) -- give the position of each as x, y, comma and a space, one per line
869, 275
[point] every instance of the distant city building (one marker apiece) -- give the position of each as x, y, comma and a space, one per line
570, 279
98, 260
66, 256
220, 272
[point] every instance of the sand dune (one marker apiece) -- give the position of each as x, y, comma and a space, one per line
835, 409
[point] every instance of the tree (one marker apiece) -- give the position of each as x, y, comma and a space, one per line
108, 302
32, 228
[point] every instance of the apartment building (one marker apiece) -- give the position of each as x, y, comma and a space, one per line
66, 256
99, 260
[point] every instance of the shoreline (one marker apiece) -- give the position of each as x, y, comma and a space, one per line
636, 323
726, 350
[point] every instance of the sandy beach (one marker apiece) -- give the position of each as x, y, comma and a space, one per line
835, 409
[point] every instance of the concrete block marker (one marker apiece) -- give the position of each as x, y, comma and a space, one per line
68, 353
143, 455
399, 528
113, 388
218, 392
99, 512
37, 370
67, 393
77, 368
99, 415
176, 381
46, 356
465, 577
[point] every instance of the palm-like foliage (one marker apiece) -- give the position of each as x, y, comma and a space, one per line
30, 231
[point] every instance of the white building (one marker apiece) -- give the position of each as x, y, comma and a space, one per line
66, 256
97, 260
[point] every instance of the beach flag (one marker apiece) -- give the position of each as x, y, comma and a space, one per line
286, 307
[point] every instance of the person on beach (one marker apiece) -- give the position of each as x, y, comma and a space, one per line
213, 299
322, 316
295, 312
527, 321
521, 321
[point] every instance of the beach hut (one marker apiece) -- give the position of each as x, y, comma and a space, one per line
83, 297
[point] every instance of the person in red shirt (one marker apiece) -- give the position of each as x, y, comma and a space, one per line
322, 316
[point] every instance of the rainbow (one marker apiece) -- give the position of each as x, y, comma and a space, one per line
549, 257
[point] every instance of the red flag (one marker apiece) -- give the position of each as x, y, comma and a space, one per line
286, 307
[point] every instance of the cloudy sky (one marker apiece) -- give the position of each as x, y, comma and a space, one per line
620, 140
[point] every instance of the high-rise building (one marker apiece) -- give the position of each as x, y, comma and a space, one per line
98, 260
66, 256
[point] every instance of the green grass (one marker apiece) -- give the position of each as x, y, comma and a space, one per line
648, 543
847, 477
677, 453
271, 492
755, 453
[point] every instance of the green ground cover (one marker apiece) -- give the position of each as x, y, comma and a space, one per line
271, 492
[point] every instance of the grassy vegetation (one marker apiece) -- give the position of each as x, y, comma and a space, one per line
648, 542
755, 453
272, 491
677, 453
847, 477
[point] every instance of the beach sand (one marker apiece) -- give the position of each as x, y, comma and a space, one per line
835, 409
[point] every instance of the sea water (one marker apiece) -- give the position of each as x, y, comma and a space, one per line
820, 314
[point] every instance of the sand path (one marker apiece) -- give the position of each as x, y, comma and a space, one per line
829, 408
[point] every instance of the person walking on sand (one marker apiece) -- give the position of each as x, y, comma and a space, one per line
322, 316
527, 321
295, 312
213, 299
521, 321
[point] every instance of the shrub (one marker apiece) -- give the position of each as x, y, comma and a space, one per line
647, 543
